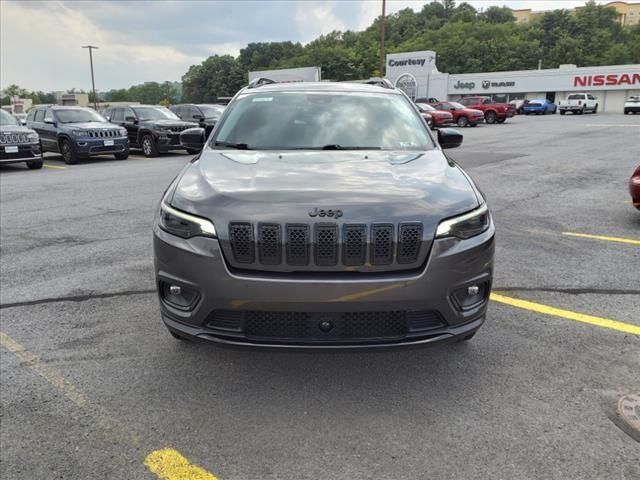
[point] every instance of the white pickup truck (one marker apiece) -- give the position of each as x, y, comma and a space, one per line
578, 103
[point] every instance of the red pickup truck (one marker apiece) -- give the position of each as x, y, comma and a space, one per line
493, 112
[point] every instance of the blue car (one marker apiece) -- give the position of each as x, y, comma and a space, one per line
542, 106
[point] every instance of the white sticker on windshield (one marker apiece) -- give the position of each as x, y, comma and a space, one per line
262, 99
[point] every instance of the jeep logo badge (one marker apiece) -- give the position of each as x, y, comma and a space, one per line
325, 213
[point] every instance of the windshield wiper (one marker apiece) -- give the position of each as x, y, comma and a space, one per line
335, 146
239, 146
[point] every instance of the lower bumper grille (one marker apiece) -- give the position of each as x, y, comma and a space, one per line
318, 327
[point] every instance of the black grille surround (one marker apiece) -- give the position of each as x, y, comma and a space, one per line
327, 245
307, 327
105, 134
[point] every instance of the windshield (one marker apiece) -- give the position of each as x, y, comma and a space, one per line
210, 111
154, 113
77, 115
323, 120
7, 119
424, 107
634, 99
456, 105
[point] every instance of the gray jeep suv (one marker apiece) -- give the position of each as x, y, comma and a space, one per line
18, 143
323, 215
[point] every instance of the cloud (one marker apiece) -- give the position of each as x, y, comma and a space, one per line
314, 19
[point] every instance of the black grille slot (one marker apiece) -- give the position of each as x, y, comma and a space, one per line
297, 244
382, 244
410, 238
269, 244
326, 245
226, 320
424, 320
374, 324
277, 324
354, 250
241, 238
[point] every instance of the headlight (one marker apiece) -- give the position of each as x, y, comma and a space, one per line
467, 225
162, 131
123, 132
80, 133
184, 224
33, 138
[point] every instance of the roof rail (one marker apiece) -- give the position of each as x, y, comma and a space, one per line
258, 82
381, 82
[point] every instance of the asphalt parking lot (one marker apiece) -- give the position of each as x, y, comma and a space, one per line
94, 387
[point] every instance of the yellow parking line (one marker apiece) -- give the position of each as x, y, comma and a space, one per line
568, 314
601, 237
46, 165
169, 464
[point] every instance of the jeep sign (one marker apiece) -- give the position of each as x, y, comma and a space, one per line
464, 85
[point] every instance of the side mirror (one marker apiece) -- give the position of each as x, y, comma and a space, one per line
131, 119
449, 138
108, 118
198, 117
192, 138
49, 122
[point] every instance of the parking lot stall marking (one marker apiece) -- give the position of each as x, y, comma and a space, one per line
568, 314
46, 165
169, 464
630, 241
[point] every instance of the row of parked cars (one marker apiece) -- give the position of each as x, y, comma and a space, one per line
79, 133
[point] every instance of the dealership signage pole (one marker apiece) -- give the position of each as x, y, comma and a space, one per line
382, 41
93, 83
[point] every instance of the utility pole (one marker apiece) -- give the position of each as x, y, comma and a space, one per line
93, 83
382, 62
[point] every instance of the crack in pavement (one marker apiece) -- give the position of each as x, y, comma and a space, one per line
569, 290
77, 298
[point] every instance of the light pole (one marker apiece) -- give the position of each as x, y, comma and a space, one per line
93, 83
382, 42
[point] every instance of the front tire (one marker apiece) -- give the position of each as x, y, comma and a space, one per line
562, 112
490, 117
68, 154
595, 110
462, 121
35, 164
149, 146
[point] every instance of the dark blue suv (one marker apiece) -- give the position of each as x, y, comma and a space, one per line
77, 133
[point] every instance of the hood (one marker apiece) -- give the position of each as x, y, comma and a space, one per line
170, 123
91, 125
228, 185
15, 129
472, 111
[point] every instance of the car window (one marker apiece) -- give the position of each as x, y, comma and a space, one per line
316, 120
190, 112
117, 115
31, 115
128, 112
591, 97
39, 116
154, 113
177, 110
48, 115
576, 96
79, 115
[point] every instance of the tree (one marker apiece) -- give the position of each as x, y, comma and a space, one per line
498, 15
217, 76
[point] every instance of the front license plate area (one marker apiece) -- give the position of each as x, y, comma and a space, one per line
108, 143
11, 149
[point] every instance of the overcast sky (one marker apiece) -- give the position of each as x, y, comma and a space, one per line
140, 41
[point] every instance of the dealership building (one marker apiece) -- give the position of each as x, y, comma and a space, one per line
417, 74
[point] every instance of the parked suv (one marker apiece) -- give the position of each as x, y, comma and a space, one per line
207, 115
340, 225
462, 116
18, 143
153, 128
77, 133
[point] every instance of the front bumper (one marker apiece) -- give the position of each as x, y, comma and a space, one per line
26, 153
168, 142
89, 147
632, 109
198, 264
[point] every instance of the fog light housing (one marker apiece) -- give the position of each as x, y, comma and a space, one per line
471, 296
179, 296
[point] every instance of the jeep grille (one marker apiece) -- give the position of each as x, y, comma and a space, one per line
13, 138
325, 244
103, 133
